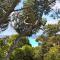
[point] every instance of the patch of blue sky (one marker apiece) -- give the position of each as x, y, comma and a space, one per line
32, 39
51, 20
19, 5
33, 42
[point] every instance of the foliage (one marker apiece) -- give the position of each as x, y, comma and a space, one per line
51, 34
24, 53
6, 7
52, 54
50, 42
26, 23
31, 18
4, 46
23, 41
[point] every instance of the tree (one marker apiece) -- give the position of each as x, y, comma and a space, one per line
6, 7
24, 53
52, 54
32, 16
52, 29
27, 27
38, 53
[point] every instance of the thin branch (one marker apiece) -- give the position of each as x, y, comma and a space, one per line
12, 48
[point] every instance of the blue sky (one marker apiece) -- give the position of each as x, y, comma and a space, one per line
19, 5
34, 36
32, 41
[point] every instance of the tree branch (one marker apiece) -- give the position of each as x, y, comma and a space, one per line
4, 19
12, 47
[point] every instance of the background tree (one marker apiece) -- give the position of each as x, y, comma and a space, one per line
52, 54
50, 38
